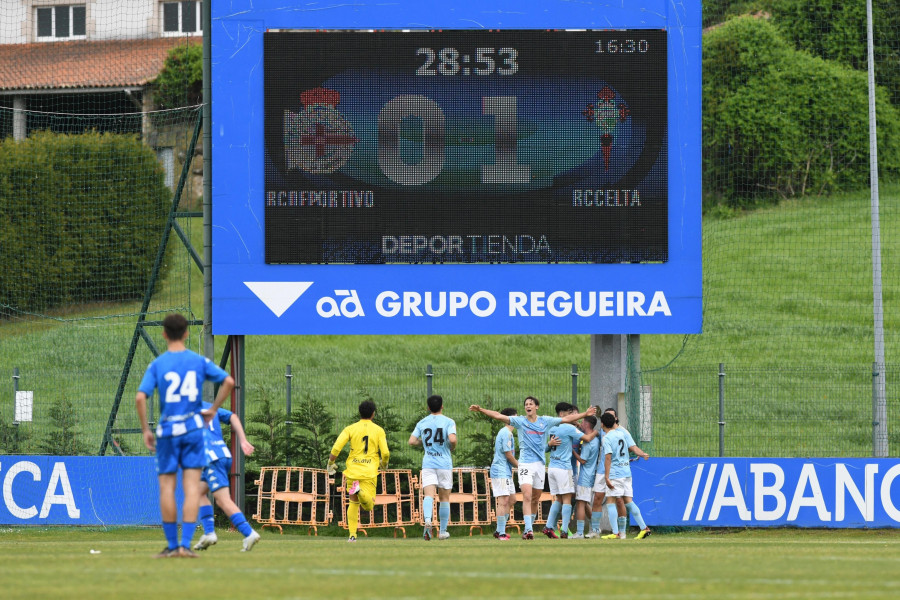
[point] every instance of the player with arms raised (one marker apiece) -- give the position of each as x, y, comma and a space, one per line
532, 430
436, 434
179, 375
368, 451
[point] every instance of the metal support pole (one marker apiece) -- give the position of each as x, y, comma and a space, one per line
237, 407
209, 349
15, 392
879, 392
574, 384
721, 409
429, 376
287, 410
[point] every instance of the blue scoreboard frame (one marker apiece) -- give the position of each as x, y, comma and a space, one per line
251, 296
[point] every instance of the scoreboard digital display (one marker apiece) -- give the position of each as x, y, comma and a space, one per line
465, 146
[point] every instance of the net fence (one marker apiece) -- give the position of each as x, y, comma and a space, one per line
98, 108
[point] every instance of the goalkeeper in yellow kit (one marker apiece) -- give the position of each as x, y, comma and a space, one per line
368, 451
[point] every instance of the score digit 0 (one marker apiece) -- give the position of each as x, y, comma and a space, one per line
505, 169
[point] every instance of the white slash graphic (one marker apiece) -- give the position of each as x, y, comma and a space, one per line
278, 295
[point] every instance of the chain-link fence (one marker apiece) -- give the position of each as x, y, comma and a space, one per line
787, 245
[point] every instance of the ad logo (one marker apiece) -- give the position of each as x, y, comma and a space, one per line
349, 307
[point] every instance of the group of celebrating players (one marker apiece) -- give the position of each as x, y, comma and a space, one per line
588, 464
189, 437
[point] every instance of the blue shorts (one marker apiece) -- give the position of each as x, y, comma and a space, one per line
187, 451
216, 474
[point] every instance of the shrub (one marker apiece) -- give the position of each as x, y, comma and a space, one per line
778, 122
81, 218
180, 82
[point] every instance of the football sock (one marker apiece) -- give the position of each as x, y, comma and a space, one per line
635, 513
529, 519
579, 527
171, 532
553, 514
353, 517
428, 509
205, 515
595, 520
187, 532
566, 517
444, 515
501, 524
365, 501
623, 524
613, 517
240, 523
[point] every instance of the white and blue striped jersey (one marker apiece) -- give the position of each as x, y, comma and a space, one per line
216, 447
434, 431
561, 456
532, 437
500, 467
590, 452
179, 377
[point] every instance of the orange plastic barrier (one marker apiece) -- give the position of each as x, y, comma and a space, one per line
293, 496
470, 500
395, 502
516, 514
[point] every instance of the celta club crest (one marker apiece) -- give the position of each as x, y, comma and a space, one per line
607, 114
318, 139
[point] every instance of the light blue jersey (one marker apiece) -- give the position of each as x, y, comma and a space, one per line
561, 456
434, 431
590, 452
532, 437
616, 444
179, 377
500, 467
216, 447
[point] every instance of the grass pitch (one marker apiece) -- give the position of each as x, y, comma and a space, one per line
753, 564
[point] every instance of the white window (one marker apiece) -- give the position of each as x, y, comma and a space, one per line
64, 22
181, 18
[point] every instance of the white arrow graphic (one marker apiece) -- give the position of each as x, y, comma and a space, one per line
278, 295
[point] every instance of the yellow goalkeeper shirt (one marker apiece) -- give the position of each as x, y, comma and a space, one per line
368, 447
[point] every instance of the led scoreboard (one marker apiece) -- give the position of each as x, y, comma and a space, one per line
465, 146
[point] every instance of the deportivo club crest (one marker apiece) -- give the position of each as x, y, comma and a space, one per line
607, 115
318, 139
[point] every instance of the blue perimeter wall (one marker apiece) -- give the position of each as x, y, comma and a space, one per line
713, 492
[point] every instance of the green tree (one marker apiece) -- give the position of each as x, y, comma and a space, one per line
778, 122
267, 431
13, 437
180, 82
313, 433
63, 439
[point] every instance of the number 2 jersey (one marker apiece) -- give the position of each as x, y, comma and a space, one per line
435, 431
616, 443
368, 447
179, 377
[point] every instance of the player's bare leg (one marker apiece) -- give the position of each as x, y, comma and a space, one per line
528, 510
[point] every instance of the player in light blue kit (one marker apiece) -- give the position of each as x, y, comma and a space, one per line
502, 485
215, 480
437, 435
586, 476
179, 375
617, 473
532, 431
562, 479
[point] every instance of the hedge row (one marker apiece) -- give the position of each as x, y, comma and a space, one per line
779, 122
81, 218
